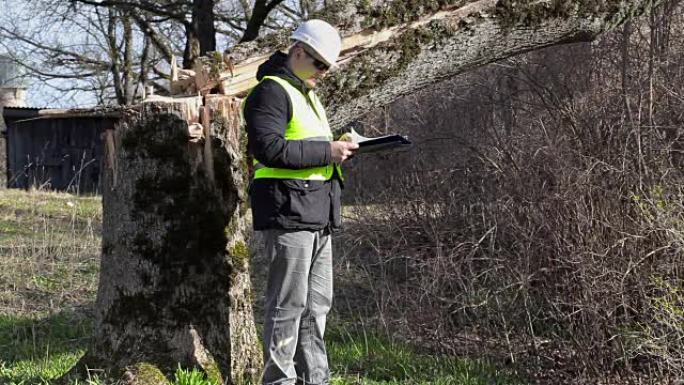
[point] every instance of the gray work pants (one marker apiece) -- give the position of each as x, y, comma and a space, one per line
298, 297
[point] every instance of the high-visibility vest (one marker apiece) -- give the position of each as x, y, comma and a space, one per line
308, 122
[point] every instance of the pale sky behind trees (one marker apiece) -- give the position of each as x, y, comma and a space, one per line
63, 49
17, 15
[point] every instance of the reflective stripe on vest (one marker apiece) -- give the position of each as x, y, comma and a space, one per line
308, 123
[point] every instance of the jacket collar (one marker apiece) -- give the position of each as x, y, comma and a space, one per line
276, 65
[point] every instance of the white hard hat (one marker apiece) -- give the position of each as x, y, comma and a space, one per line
322, 37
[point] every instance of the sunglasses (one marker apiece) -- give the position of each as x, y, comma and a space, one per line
321, 66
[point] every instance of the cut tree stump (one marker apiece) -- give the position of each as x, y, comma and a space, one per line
174, 284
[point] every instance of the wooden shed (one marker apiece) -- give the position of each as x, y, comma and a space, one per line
55, 149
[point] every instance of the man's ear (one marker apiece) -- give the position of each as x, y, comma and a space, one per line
299, 51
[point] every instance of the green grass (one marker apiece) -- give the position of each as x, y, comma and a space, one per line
366, 358
34, 350
34, 217
49, 247
51, 204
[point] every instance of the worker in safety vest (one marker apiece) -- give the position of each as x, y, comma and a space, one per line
295, 198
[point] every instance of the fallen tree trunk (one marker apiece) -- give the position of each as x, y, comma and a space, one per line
174, 285
442, 45
399, 47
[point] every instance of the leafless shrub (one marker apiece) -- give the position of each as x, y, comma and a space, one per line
542, 203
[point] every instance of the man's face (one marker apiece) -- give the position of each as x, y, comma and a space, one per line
308, 66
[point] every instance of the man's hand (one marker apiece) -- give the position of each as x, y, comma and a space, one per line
342, 150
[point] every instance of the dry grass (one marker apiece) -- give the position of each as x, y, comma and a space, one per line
49, 247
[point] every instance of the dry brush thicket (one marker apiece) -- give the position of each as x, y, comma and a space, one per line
541, 206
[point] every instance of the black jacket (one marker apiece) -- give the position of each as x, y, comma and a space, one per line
285, 203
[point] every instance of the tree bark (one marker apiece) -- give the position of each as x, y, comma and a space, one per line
174, 282
442, 44
174, 285
400, 47
200, 32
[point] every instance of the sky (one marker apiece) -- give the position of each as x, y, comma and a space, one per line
24, 15
57, 27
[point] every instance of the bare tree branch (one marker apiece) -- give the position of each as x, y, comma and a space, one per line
173, 9
153, 35
259, 14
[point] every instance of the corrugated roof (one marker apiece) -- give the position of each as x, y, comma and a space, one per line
14, 113
24, 113
25, 108
21, 114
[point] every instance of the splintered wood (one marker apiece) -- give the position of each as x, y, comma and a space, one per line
201, 111
217, 76
203, 79
216, 83
238, 78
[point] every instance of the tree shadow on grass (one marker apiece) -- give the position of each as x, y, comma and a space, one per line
36, 348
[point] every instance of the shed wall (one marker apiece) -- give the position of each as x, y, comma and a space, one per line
62, 154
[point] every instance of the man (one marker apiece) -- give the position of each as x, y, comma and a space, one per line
295, 198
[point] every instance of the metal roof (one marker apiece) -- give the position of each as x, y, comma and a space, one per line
19, 112
23, 113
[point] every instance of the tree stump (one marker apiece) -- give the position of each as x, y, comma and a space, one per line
174, 283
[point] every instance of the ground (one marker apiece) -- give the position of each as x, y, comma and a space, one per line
49, 247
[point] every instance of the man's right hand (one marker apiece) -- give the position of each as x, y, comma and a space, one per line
342, 150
